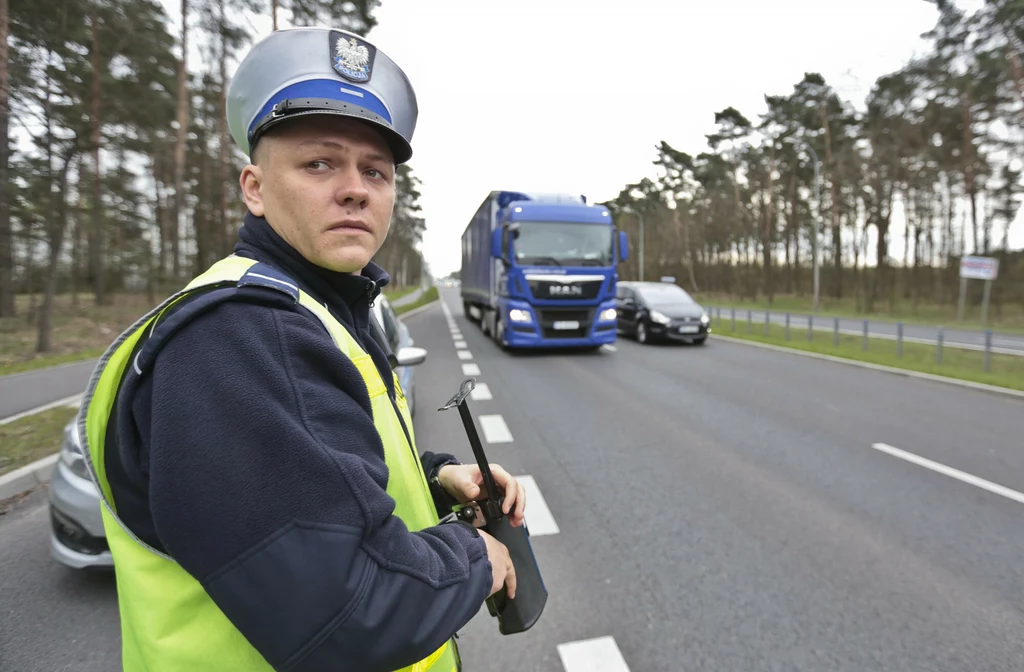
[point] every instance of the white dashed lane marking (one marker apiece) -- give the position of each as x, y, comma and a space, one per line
592, 655
538, 516
495, 430
481, 393
951, 472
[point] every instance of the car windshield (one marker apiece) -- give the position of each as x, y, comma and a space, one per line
564, 244
664, 295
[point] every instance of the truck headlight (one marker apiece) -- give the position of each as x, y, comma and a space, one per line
518, 315
608, 314
71, 452
660, 318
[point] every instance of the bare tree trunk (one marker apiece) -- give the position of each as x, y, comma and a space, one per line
50, 227
968, 154
908, 217
79, 231
179, 147
834, 184
203, 217
684, 229
58, 227
222, 160
6, 232
96, 251
273, 14
855, 248
30, 261
769, 226
74, 263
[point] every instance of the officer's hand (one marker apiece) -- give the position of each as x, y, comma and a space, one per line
465, 483
503, 573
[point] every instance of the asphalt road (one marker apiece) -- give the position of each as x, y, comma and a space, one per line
717, 508
21, 392
1006, 344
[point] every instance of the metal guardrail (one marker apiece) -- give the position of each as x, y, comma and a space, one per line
986, 342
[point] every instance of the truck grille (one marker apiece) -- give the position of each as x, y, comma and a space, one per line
552, 289
550, 316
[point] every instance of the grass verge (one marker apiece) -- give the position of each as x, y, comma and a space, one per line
428, 296
81, 330
1004, 370
399, 292
1011, 321
33, 437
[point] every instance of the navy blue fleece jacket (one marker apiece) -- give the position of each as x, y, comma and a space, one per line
247, 452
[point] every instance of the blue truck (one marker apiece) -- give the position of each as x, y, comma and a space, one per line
540, 271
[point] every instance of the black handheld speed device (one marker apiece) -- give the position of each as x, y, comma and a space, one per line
519, 614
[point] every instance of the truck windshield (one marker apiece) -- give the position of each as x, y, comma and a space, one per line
564, 244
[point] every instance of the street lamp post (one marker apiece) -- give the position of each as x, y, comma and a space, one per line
641, 218
817, 218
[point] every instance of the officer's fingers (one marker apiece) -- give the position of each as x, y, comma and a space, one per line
510, 580
520, 504
503, 478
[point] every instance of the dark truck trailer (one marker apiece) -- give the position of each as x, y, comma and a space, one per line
540, 271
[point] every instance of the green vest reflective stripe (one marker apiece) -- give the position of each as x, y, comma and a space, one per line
168, 621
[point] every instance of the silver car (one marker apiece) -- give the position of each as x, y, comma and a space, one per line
77, 538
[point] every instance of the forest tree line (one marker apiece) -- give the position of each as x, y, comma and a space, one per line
119, 171
939, 142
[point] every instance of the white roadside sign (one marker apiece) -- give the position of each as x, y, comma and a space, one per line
979, 268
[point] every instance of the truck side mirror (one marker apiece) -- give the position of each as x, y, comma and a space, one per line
501, 244
623, 246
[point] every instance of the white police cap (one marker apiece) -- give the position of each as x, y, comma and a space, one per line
299, 71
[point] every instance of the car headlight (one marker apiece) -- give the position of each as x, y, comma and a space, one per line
704, 318
71, 452
608, 314
660, 318
518, 315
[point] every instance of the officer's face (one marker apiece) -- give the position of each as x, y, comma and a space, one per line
327, 186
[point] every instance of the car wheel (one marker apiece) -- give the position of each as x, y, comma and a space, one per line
641, 332
700, 341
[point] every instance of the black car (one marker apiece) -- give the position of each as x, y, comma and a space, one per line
660, 311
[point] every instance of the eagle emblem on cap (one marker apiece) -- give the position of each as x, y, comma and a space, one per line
352, 59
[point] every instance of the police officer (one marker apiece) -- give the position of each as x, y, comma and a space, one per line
262, 495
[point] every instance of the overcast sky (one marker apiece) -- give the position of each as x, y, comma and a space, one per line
573, 96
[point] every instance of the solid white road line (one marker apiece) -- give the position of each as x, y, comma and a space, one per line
470, 370
460, 345
538, 516
481, 392
73, 400
609, 348
495, 429
592, 655
464, 354
951, 472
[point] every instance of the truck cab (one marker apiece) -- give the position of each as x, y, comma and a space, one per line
550, 272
